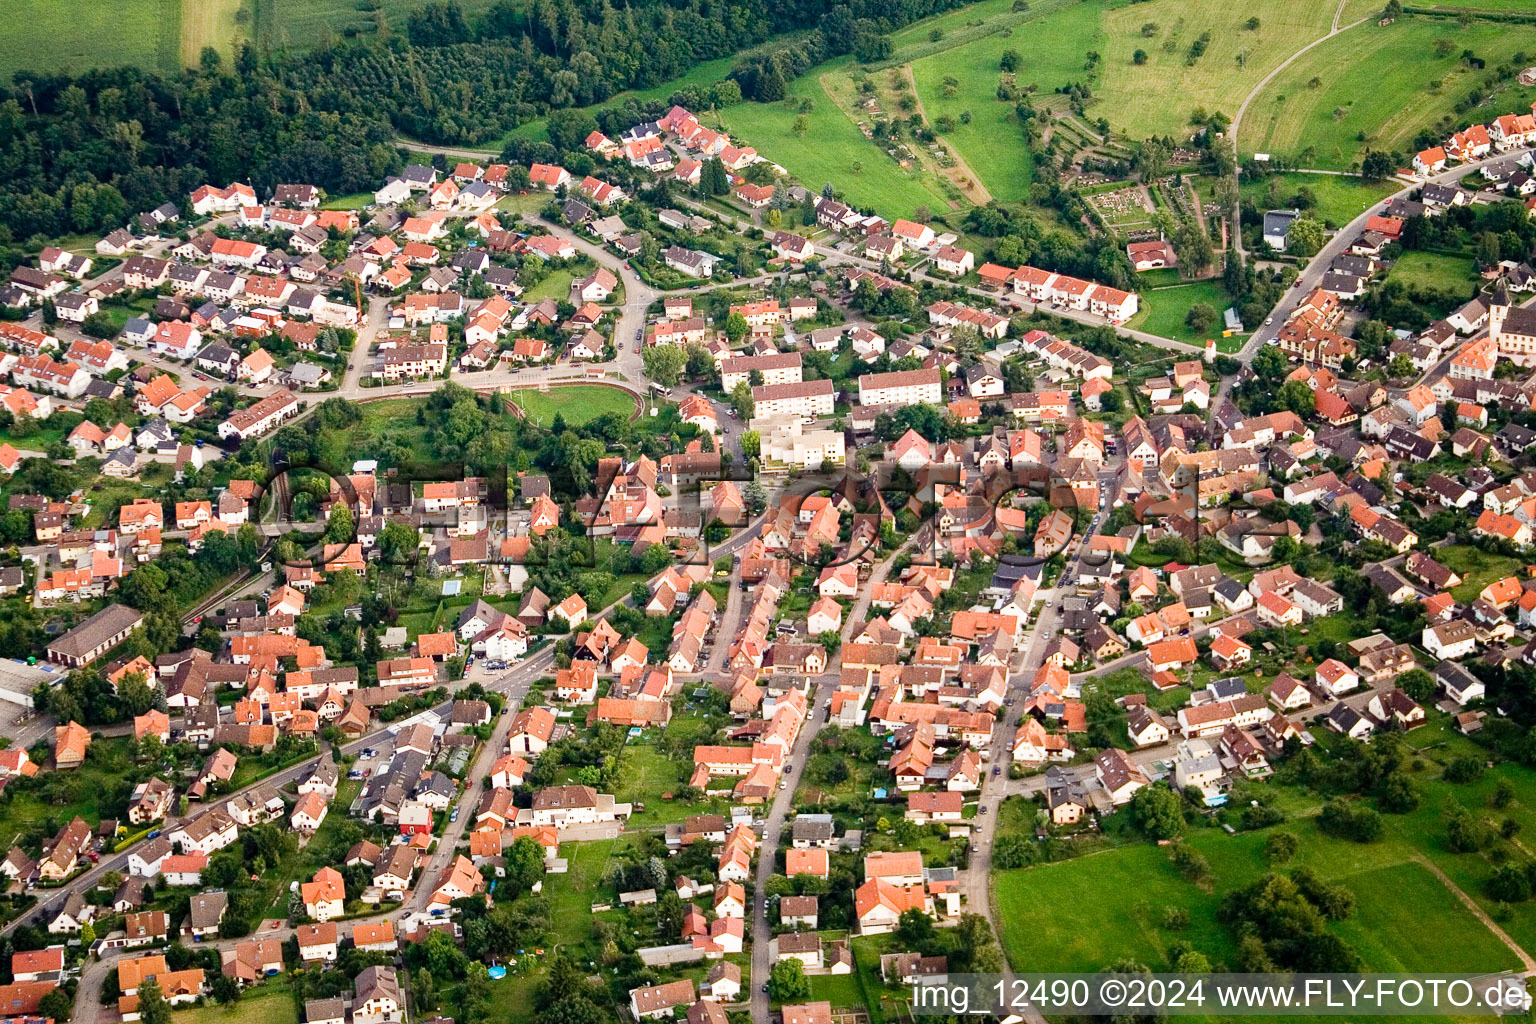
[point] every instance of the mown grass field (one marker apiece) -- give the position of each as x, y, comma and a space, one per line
1377, 82
1339, 199
1156, 98
1164, 309
577, 403
992, 143
1432, 270
268, 1004
215, 23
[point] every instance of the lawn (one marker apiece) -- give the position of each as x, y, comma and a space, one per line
52, 38
578, 403
645, 775
1163, 310
1157, 97
832, 149
890, 1004
1339, 199
557, 286
573, 893
992, 144
839, 989
82, 791
1432, 270
1476, 567
1376, 87
267, 1004
302, 867
355, 201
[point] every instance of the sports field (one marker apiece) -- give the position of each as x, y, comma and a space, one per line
1378, 87
578, 403
1156, 98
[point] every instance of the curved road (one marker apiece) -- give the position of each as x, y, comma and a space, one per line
1237, 121
1312, 274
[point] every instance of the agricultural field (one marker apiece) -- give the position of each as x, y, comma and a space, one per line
1354, 10
302, 23
1339, 199
38, 36
1492, 6
1157, 97
165, 35
1378, 87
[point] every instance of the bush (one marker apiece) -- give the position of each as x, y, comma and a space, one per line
1464, 770
1281, 847
1510, 884
1341, 818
